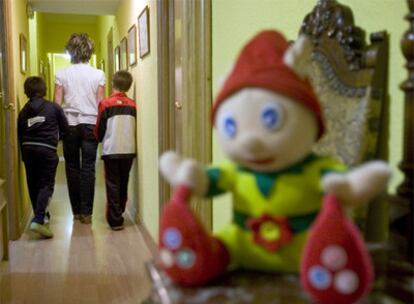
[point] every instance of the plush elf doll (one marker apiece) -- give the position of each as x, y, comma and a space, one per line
267, 119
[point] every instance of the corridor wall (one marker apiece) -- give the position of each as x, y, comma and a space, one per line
144, 188
287, 16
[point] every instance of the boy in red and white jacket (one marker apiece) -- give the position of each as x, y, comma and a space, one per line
116, 129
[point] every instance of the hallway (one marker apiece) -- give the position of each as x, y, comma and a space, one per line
82, 263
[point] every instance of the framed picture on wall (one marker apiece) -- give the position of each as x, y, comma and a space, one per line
23, 54
117, 57
102, 65
132, 45
123, 45
144, 32
41, 68
46, 71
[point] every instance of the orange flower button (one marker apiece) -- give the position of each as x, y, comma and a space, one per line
270, 232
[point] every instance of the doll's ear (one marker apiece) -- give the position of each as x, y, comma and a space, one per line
298, 54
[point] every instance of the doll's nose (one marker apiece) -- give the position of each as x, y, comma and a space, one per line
252, 144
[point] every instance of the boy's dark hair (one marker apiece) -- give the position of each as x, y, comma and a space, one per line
122, 81
35, 87
80, 47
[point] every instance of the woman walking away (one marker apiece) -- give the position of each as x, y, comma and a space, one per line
79, 88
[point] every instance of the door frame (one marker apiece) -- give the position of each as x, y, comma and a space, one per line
197, 88
9, 105
4, 230
110, 59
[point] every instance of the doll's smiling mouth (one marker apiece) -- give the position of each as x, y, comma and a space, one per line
262, 161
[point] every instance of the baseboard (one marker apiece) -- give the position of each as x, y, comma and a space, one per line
148, 239
129, 216
4, 270
142, 229
25, 221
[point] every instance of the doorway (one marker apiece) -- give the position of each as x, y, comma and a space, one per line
110, 48
3, 138
184, 58
10, 225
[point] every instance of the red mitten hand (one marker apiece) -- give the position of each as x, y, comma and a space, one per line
336, 267
188, 253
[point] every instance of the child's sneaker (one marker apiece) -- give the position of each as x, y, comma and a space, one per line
117, 228
41, 229
86, 219
46, 220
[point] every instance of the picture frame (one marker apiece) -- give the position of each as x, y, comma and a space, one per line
117, 59
41, 68
102, 65
23, 54
144, 32
123, 54
132, 45
46, 73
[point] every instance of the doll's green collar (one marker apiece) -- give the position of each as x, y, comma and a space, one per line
266, 180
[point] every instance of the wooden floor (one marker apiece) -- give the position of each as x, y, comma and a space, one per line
81, 264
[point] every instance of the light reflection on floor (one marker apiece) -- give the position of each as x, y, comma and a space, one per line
82, 263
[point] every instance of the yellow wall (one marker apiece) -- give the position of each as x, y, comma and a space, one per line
34, 67
55, 30
233, 27
104, 25
20, 26
144, 91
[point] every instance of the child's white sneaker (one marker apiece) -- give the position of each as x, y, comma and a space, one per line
43, 230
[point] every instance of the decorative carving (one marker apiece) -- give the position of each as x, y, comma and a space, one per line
348, 137
333, 80
406, 189
336, 21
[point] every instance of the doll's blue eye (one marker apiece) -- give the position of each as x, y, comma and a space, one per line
230, 126
272, 117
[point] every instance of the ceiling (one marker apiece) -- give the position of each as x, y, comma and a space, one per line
84, 7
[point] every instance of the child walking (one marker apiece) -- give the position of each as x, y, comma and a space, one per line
116, 129
41, 124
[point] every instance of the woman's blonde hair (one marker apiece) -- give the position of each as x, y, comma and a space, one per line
80, 47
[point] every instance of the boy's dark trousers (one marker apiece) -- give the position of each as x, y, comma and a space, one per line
79, 150
41, 164
116, 182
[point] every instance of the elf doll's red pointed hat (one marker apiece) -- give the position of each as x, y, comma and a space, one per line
260, 64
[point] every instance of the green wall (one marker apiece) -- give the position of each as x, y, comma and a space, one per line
34, 67
55, 30
49, 34
236, 21
104, 25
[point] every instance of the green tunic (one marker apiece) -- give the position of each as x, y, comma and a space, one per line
293, 194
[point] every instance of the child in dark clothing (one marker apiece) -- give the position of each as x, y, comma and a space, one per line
40, 126
116, 129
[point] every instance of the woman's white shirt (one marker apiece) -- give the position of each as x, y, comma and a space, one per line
80, 83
